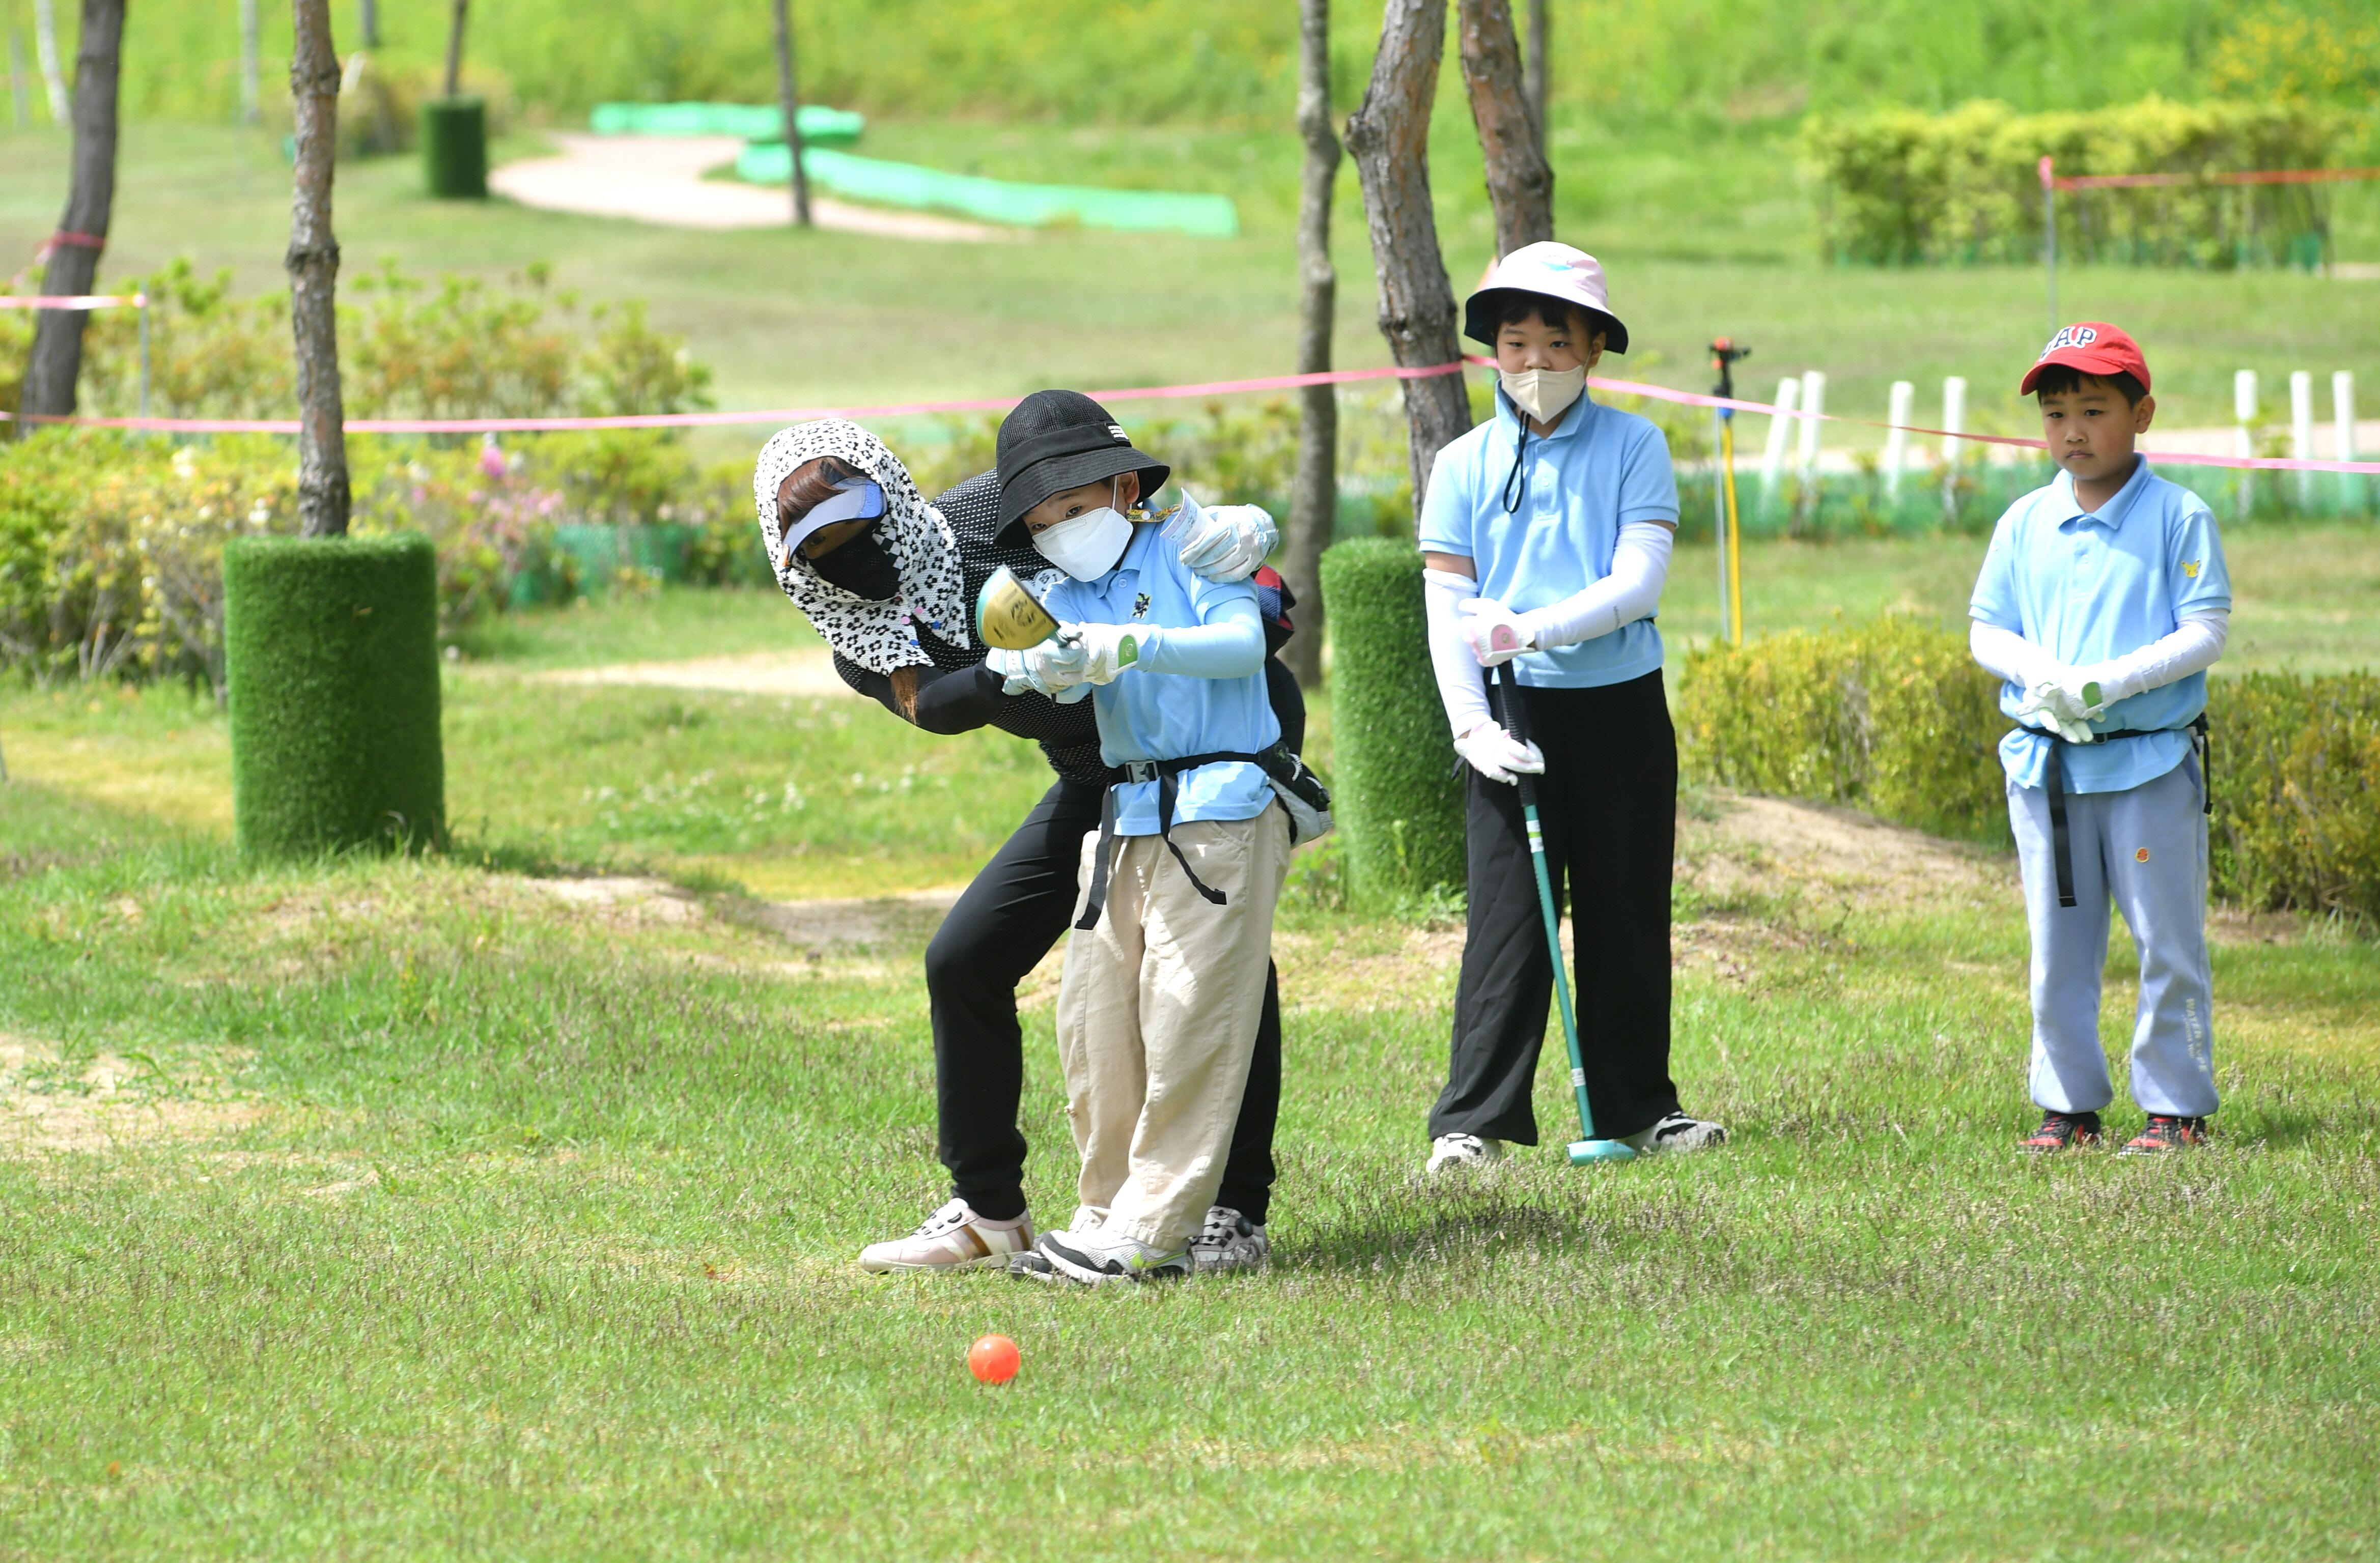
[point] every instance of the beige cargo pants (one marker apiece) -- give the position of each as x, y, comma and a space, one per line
1156, 1017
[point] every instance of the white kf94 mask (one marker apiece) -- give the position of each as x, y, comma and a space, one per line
1544, 394
1088, 545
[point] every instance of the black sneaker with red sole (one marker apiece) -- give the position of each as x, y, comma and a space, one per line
2166, 1132
2063, 1131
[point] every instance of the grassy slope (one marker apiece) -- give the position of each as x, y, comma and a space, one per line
540, 1246
1706, 234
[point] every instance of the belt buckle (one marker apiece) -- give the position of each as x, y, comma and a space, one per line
1140, 771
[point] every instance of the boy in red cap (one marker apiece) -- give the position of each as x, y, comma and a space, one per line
2103, 601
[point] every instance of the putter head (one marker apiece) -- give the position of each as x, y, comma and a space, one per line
1008, 616
1583, 1151
1503, 638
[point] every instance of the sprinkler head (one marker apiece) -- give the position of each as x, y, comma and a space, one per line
1583, 1151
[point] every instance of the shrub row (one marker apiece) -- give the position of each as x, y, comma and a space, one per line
1903, 186
1893, 717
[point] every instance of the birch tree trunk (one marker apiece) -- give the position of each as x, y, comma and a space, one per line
1313, 495
56, 361
313, 264
45, 48
1519, 182
1388, 138
251, 93
454, 48
1534, 79
789, 104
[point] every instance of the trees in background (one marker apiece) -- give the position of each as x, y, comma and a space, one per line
56, 360
1313, 496
313, 266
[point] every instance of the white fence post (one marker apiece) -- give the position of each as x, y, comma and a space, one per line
2342, 412
1813, 402
1896, 439
2301, 429
2244, 412
1772, 458
1954, 418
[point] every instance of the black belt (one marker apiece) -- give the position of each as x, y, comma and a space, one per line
2054, 779
1166, 774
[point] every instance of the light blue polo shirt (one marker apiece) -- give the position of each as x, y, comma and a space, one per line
2086, 588
1599, 469
1146, 716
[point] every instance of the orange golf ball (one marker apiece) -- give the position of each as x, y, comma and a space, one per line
993, 1359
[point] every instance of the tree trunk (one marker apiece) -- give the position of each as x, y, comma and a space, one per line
56, 361
454, 47
789, 104
1313, 496
45, 46
368, 22
313, 264
1519, 183
1388, 138
17, 77
1534, 79
251, 93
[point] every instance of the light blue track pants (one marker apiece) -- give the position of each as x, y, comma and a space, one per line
2144, 848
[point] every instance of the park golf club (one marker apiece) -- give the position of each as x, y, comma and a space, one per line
1586, 1148
1011, 618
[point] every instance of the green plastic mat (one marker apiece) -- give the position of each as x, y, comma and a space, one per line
820, 125
994, 200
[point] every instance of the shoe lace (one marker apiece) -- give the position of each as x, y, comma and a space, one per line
950, 1216
1222, 1226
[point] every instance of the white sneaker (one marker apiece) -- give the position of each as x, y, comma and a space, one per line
1229, 1242
1677, 1132
1101, 1258
953, 1238
1462, 1150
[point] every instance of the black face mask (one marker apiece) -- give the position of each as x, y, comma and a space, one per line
860, 566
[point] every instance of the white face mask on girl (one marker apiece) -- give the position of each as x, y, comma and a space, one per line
1088, 545
1544, 394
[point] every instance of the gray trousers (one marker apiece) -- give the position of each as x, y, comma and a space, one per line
2144, 848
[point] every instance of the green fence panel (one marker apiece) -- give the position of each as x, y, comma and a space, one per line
820, 125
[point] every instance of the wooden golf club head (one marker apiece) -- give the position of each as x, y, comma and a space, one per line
1007, 615
1583, 1151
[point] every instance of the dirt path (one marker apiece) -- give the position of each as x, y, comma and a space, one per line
807, 673
659, 180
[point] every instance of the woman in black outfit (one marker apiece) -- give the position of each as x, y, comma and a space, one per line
891, 583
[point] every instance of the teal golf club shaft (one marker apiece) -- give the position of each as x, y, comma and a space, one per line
1509, 687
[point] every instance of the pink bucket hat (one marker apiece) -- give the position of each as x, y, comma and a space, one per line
1549, 271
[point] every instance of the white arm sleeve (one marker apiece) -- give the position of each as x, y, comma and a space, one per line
1461, 686
2194, 647
1640, 565
2008, 655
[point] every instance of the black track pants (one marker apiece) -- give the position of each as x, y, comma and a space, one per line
1009, 917
1607, 803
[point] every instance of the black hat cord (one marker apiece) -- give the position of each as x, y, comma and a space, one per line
1511, 499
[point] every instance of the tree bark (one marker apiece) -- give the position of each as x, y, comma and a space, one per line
454, 47
313, 264
56, 361
1388, 138
1313, 495
1534, 79
789, 103
1519, 182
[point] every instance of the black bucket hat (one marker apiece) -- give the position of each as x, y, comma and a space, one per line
1053, 440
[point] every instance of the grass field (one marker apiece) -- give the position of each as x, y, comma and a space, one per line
392, 1209
1706, 233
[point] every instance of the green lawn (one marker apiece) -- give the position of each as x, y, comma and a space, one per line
1706, 234
417, 1210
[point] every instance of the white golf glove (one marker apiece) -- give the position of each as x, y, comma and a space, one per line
1011, 668
1497, 756
1482, 617
2059, 701
1227, 543
1091, 653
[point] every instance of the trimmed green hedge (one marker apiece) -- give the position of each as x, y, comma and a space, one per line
331, 650
1894, 717
1398, 797
454, 147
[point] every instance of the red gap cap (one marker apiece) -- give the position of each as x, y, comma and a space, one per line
2094, 348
